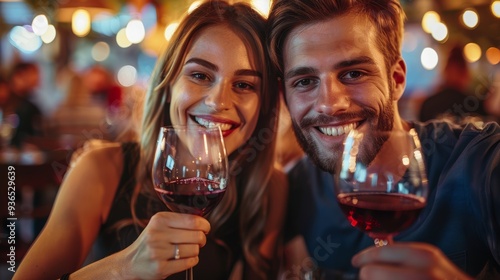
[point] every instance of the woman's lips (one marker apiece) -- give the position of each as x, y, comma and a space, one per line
226, 126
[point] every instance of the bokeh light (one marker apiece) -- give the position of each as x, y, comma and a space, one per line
80, 23
429, 58
24, 40
495, 8
122, 40
493, 55
170, 29
472, 52
429, 20
127, 76
262, 6
135, 31
100, 51
470, 19
440, 32
193, 6
40, 24
49, 35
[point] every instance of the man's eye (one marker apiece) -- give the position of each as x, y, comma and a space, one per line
303, 83
351, 75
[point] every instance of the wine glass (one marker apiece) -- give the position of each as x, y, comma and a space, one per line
381, 182
190, 170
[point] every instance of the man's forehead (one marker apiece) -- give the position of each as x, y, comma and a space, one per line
345, 36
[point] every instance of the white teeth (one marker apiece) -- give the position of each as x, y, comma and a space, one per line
209, 124
338, 130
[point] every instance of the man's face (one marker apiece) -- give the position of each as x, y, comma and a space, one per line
335, 80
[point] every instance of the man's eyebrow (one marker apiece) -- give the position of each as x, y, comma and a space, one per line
213, 67
343, 64
355, 61
299, 71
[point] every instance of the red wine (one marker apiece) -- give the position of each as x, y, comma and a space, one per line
380, 214
196, 196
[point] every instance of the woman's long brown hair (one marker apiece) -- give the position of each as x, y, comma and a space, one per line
251, 164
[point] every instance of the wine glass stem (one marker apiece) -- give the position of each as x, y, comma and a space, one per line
379, 242
189, 274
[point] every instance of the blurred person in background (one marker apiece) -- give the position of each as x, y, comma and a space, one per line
102, 86
453, 99
5, 127
492, 101
24, 78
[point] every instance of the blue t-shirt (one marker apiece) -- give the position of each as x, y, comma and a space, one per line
462, 215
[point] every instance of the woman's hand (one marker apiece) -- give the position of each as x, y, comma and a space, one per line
406, 261
152, 255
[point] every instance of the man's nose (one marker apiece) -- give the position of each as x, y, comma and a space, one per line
332, 97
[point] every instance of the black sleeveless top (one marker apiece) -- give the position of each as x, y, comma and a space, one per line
217, 257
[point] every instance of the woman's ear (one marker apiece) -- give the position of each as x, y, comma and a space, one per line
398, 79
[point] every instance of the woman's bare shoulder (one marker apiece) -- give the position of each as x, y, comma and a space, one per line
94, 173
100, 150
98, 165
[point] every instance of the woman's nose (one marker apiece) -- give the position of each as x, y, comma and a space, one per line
219, 97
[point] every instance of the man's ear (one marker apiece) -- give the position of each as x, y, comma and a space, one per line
398, 79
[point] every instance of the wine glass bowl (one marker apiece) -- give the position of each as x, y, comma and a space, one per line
190, 169
380, 182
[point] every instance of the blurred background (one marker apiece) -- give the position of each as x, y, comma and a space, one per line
98, 43
74, 70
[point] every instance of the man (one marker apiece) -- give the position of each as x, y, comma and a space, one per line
341, 68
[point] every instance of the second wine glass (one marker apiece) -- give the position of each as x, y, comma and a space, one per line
190, 170
381, 182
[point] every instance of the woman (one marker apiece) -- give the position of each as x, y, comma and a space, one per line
215, 71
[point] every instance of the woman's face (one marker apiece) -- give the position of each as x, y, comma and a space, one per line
218, 85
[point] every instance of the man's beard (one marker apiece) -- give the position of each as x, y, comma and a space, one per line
327, 160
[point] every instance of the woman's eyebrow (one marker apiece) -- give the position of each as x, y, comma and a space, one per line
202, 62
213, 67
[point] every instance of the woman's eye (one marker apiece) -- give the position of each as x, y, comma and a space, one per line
200, 76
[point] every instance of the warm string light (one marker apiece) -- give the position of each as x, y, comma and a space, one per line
495, 8
470, 18
135, 31
80, 23
431, 23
